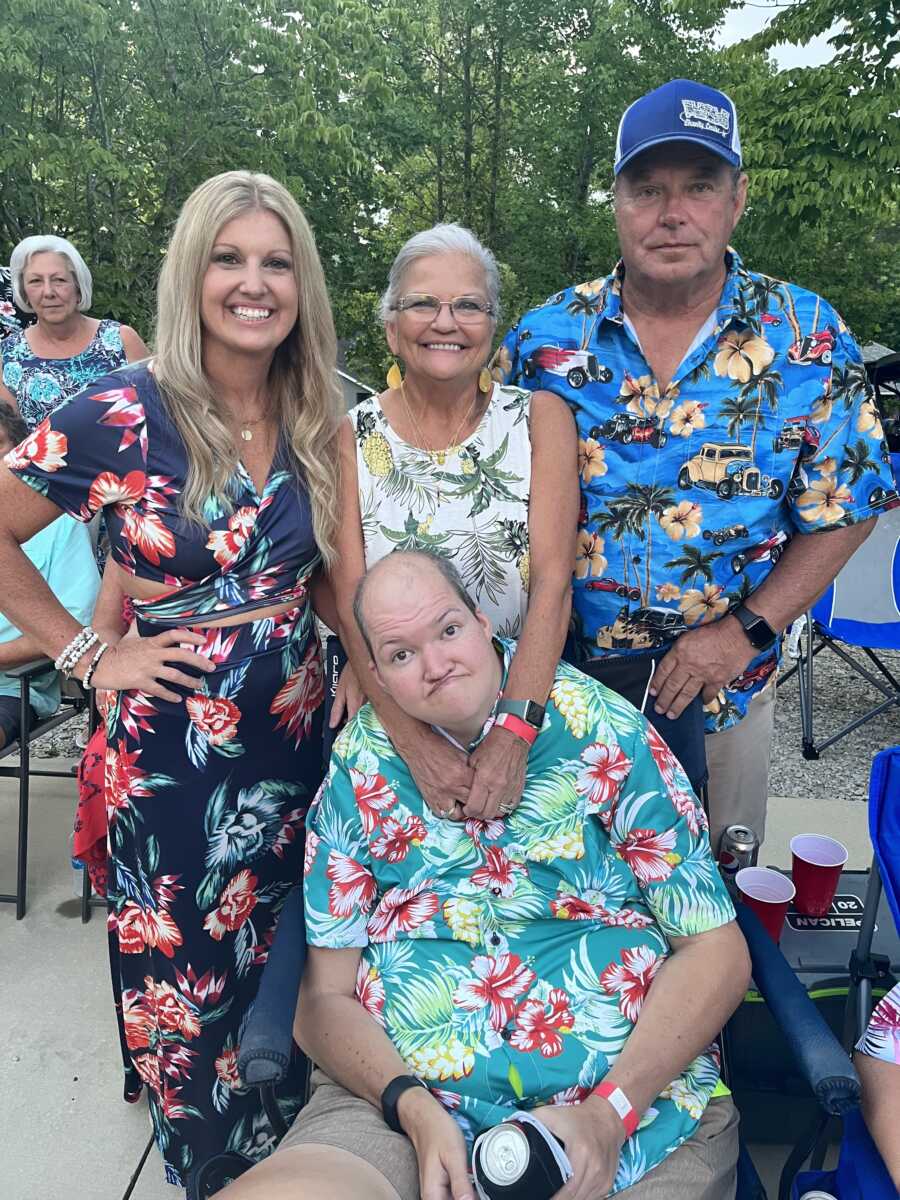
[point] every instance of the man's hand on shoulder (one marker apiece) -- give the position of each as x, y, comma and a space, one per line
593, 1135
440, 772
499, 764
703, 660
439, 1145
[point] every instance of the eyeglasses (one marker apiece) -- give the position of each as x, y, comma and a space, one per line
467, 310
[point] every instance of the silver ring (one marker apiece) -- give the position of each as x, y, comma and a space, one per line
505, 809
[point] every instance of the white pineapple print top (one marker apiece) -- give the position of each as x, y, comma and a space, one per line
469, 503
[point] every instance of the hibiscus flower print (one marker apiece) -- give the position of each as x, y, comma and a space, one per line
45, 449
352, 886
629, 979
687, 418
174, 1013
650, 855
109, 488
374, 796
214, 716
395, 839
496, 983
400, 911
539, 1025
668, 591
869, 420
567, 907
882, 1037
370, 991
824, 500
484, 831
681, 520
605, 769
498, 872
227, 544
591, 459
701, 607
589, 556
147, 533
742, 355
236, 903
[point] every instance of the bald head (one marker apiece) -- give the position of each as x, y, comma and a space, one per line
409, 569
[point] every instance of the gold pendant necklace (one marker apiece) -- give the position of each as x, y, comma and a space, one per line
437, 456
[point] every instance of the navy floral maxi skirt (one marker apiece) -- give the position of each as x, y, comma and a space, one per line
206, 802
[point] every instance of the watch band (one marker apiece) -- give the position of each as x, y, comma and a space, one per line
392, 1094
517, 726
760, 633
621, 1103
528, 711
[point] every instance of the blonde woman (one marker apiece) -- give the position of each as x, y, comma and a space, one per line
214, 466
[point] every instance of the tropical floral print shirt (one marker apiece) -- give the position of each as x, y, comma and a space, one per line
468, 503
767, 429
114, 447
508, 960
41, 384
882, 1037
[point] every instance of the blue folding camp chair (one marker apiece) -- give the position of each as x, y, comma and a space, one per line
861, 1174
861, 609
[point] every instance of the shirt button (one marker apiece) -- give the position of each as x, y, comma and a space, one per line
496, 891
494, 939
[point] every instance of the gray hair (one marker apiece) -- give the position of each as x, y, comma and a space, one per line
44, 244
442, 565
440, 239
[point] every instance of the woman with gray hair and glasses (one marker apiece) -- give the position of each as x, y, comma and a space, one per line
64, 350
447, 460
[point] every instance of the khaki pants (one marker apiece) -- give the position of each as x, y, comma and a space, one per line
738, 761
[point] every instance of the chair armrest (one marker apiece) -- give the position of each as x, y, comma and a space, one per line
31, 670
819, 1055
268, 1038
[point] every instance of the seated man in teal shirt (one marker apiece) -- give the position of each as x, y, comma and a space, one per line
62, 553
575, 957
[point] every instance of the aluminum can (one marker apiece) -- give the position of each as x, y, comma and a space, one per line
514, 1161
738, 848
818, 1194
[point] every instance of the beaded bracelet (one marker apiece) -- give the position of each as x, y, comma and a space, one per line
92, 665
76, 649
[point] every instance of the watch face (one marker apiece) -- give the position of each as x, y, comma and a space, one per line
534, 714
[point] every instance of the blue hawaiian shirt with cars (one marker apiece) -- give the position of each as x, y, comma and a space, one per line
767, 429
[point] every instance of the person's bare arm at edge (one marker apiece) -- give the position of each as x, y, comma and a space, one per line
441, 772
107, 618
708, 658
337, 1033
500, 760
30, 605
693, 994
880, 1105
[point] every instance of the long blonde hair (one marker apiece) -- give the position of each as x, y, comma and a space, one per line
302, 379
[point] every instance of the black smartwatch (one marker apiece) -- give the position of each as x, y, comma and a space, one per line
392, 1094
761, 634
528, 711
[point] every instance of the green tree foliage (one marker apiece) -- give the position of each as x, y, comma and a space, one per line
383, 117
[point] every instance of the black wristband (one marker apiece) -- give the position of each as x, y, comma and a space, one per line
392, 1094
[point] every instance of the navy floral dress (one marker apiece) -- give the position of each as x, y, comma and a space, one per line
41, 384
206, 798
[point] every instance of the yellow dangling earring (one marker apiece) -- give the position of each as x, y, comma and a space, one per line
394, 376
485, 380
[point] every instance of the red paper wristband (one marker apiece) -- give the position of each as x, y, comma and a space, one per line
621, 1103
516, 725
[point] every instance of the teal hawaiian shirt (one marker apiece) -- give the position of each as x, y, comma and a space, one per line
508, 960
767, 429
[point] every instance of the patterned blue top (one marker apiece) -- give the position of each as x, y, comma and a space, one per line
40, 384
768, 428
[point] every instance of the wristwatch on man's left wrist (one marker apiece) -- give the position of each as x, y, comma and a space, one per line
758, 630
528, 711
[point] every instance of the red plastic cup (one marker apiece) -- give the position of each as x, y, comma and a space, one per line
768, 893
818, 862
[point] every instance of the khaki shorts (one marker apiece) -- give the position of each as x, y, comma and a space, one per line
702, 1168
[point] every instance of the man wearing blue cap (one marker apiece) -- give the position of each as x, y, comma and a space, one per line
720, 413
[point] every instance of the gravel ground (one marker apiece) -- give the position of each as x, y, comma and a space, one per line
841, 773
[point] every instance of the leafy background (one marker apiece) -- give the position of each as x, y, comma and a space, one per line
384, 117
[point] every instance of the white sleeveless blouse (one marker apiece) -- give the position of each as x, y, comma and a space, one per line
469, 502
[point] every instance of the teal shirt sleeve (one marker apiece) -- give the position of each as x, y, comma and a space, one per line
71, 571
339, 887
659, 829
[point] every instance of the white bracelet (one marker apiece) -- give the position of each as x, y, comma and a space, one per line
76, 650
92, 665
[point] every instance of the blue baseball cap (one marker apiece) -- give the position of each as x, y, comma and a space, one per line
679, 111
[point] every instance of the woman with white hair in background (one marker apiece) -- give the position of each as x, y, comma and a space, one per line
65, 350
215, 468
447, 460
